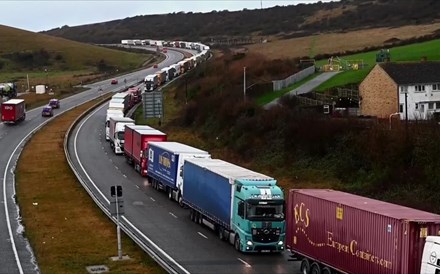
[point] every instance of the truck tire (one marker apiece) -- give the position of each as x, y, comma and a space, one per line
305, 266
315, 268
326, 270
221, 233
170, 193
191, 214
237, 243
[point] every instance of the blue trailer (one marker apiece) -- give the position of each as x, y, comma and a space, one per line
165, 162
244, 207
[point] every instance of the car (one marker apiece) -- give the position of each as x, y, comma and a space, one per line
114, 81
155, 66
54, 103
47, 111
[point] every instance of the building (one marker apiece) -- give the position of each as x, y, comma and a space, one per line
407, 89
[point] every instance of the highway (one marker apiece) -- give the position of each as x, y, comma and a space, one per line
16, 255
158, 223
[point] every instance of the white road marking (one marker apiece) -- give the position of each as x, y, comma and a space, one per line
244, 262
137, 186
152, 199
125, 176
117, 167
171, 213
202, 235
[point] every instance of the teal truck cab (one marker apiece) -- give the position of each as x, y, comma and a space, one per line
244, 207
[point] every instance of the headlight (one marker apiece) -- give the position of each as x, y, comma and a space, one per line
249, 243
280, 243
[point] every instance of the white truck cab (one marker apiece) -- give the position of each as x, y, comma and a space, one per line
431, 256
116, 133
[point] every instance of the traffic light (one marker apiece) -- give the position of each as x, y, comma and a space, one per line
116, 191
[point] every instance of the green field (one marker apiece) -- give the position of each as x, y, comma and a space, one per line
413, 52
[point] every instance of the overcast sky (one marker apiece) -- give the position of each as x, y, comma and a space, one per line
45, 15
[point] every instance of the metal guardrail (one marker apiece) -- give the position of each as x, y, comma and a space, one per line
150, 250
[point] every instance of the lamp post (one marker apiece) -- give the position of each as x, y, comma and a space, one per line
244, 83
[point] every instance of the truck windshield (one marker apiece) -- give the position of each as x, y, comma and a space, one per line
264, 211
120, 135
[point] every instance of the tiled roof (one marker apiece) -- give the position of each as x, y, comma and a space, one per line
413, 73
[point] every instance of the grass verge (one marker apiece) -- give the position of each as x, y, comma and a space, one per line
67, 231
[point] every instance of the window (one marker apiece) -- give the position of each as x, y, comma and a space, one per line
403, 89
401, 108
419, 88
431, 105
436, 87
437, 105
417, 106
240, 209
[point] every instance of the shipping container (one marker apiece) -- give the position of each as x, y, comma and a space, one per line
136, 140
353, 234
13, 111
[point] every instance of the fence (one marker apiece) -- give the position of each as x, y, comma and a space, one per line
280, 84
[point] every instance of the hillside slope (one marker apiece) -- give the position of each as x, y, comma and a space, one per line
283, 22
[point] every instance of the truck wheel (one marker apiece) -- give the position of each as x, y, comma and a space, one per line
305, 266
237, 243
326, 270
221, 233
181, 201
315, 269
191, 214
200, 219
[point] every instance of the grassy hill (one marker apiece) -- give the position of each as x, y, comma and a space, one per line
62, 63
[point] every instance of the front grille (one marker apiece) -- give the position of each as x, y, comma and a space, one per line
265, 235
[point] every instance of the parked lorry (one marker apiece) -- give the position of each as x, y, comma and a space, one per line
111, 113
137, 139
116, 132
13, 111
336, 232
176, 68
124, 97
151, 82
116, 106
184, 66
165, 166
162, 77
244, 207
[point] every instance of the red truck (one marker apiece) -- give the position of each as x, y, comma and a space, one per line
335, 232
136, 145
13, 111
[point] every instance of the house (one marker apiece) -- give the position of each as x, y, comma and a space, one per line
409, 89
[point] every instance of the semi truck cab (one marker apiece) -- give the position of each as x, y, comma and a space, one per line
258, 219
431, 256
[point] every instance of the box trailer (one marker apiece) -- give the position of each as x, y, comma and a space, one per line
165, 166
137, 139
162, 77
244, 207
13, 111
111, 113
332, 231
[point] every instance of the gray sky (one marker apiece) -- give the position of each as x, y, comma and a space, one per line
45, 15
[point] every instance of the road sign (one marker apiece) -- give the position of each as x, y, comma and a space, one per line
116, 191
153, 104
117, 207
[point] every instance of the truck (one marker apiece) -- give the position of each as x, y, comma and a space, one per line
165, 166
184, 66
116, 132
135, 93
8, 90
13, 111
244, 207
162, 77
151, 82
116, 106
137, 138
336, 232
176, 68
111, 113
125, 97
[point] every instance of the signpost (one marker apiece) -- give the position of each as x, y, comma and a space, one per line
117, 208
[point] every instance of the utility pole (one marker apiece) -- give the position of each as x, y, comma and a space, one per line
244, 83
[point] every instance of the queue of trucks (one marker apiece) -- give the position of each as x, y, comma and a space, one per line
327, 231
